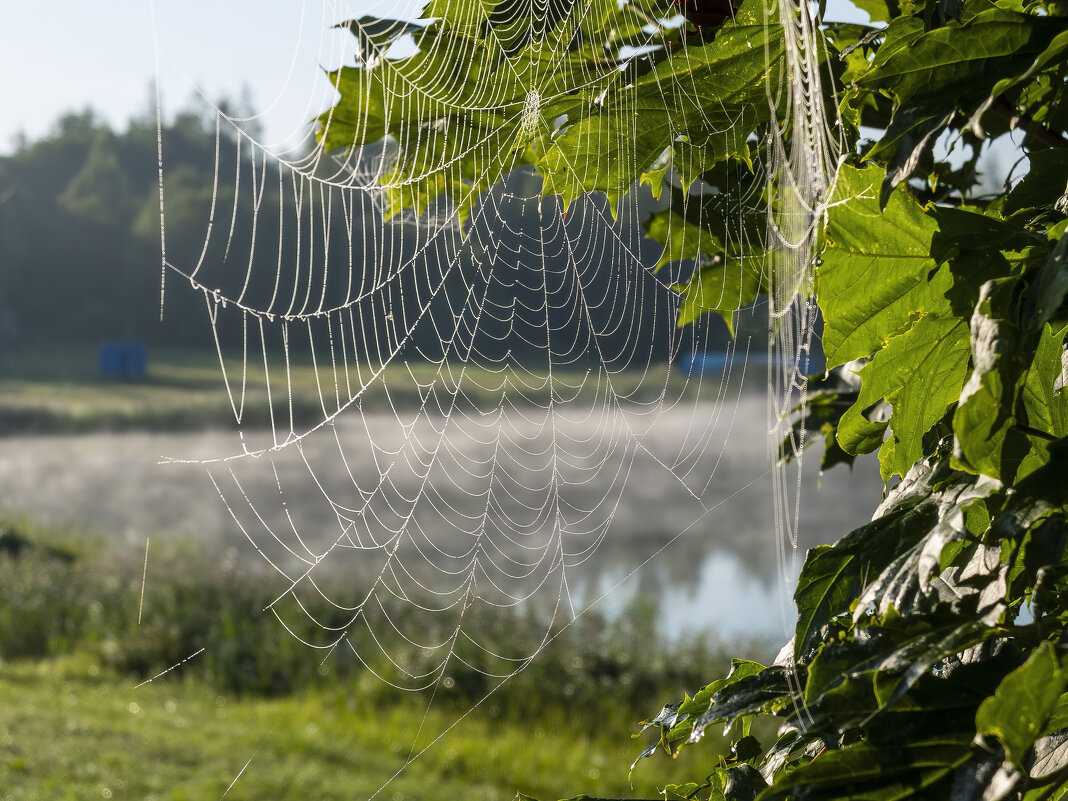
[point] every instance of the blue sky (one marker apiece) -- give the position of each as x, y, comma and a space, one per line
65, 55
69, 54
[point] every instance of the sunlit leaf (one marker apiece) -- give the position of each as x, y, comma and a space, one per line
966, 60
888, 252
724, 287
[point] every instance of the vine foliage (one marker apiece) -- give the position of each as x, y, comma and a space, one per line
930, 658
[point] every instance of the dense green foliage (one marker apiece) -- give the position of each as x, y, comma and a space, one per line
79, 229
80, 237
929, 659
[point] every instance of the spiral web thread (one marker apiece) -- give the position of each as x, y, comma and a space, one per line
485, 372
802, 171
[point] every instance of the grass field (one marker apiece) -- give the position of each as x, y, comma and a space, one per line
72, 730
75, 643
60, 390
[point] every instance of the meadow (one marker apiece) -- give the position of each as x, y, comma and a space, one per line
87, 713
59, 389
91, 706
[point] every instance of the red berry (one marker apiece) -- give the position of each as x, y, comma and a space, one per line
706, 13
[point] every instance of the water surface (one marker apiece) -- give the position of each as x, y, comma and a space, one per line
673, 508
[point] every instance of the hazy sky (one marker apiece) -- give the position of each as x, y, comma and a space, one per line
69, 54
65, 55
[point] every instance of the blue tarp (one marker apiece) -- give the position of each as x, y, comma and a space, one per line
123, 360
702, 362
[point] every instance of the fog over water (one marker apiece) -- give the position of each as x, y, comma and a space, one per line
707, 561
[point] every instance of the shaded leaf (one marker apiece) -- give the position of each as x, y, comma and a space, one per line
869, 772
1023, 702
966, 60
1051, 755
375, 34
750, 695
829, 582
1044, 183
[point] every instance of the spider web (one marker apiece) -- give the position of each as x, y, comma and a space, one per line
489, 362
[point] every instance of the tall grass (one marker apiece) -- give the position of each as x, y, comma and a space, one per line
63, 594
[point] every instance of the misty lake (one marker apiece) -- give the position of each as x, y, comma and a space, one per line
697, 539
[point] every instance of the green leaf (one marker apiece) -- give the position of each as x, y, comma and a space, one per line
921, 368
700, 105
375, 34
910, 136
874, 773
702, 700
743, 783
1050, 287
878, 10
691, 789
829, 581
681, 238
898, 37
834, 577
1025, 699
1010, 410
899, 672
984, 247
655, 179
747, 690
965, 60
447, 119
887, 252
920, 373
1053, 54
984, 420
1044, 183
1042, 414
460, 13
722, 288
819, 416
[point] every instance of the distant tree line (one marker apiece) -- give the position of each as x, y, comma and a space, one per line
80, 255
79, 230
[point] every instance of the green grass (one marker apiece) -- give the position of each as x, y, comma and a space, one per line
45, 390
63, 593
70, 729
75, 643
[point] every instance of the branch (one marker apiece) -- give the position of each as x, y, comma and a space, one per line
1037, 130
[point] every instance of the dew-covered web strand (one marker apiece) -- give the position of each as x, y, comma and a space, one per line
159, 158
292, 437
555, 445
217, 301
384, 518
459, 385
144, 580
802, 179
553, 636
